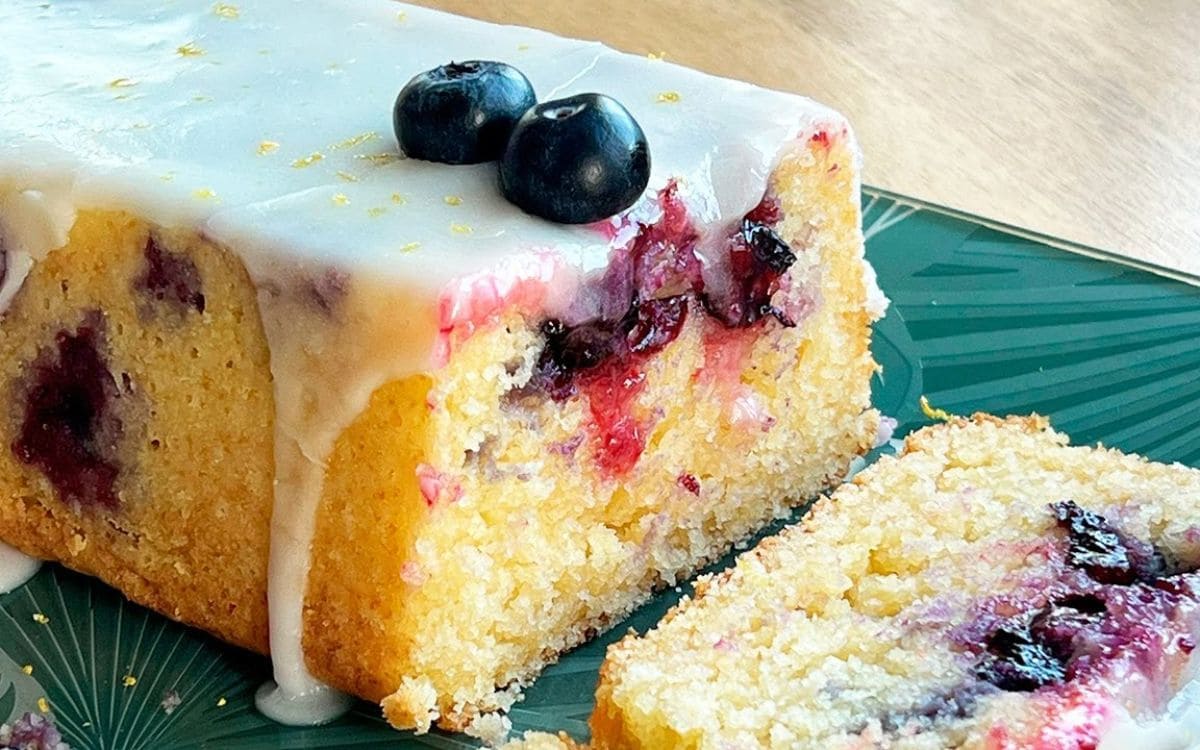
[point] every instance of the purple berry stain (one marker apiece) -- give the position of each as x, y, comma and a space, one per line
758, 258
69, 427
3, 259
1114, 598
171, 278
30, 732
639, 305
604, 360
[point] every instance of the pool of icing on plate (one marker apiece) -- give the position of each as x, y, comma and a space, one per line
15, 568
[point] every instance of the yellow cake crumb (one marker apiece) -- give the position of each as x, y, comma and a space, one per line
128, 680
43, 705
267, 147
227, 10
27, 669
41, 619
669, 97
453, 200
221, 702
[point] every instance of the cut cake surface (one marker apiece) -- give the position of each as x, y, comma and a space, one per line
991, 588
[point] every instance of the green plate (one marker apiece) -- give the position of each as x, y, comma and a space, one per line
982, 318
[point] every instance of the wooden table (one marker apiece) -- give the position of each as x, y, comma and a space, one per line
1078, 119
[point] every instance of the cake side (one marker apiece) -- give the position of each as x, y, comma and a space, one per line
876, 622
137, 422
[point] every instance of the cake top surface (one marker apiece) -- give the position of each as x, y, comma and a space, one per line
268, 124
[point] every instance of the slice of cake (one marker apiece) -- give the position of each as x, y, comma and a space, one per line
271, 378
990, 588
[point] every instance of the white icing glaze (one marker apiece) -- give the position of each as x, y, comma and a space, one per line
266, 125
1178, 729
319, 704
15, 568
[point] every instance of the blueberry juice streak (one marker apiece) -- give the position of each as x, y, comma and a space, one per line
1112, 611
640, 305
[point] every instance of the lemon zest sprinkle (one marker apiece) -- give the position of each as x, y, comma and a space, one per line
378, 159
932, 412
355, 140
308, 161
191, 49
669, 97
27, 669
267, 147
40, 618
226, 10
340, 199
43, 705
461, 228
128, 680
453, 200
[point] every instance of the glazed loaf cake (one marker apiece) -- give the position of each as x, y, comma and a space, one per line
990, 588
272, 379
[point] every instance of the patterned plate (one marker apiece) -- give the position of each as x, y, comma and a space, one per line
982, 319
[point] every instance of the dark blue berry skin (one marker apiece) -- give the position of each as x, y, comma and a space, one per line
461, 113
576, 160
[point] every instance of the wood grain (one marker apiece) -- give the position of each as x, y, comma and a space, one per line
1078, 119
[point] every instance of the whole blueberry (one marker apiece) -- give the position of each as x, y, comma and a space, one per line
461, 113
576, 160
